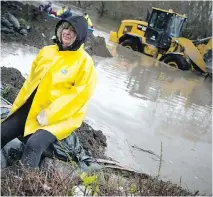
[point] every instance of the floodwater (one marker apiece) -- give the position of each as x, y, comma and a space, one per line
142, 103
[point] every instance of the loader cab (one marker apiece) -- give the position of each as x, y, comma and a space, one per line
162, 26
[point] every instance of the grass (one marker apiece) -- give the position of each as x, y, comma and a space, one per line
50, 181
56, 178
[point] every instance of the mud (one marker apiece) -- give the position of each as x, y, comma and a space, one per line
93, 141
43, 28
96, 46
12, 76
11, 81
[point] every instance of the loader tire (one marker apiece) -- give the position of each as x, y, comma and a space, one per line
130, 44
177, 61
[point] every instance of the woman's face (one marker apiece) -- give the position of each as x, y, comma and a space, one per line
67, 37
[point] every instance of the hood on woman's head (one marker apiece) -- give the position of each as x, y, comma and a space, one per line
64, 25
80, 26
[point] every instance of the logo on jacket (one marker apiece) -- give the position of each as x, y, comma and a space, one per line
63, 71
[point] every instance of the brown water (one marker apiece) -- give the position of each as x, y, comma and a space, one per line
141, 102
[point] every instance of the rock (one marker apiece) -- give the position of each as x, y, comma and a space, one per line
23, 31
15, 7
3, 160
7, 30
16, 144
13, 20
6, 23
29, 28
5, 112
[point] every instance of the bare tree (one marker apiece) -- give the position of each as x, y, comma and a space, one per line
101, 9
199, 13
84, 4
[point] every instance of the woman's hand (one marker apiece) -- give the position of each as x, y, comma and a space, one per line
42, 118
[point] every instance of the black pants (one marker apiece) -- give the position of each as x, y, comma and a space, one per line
36, 144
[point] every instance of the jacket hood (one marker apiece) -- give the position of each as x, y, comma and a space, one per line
80, 25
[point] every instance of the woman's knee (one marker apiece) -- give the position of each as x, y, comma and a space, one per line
40, 140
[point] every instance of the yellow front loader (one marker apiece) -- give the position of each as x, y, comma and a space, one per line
160, 38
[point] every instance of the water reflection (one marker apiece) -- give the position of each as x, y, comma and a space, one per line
180, 98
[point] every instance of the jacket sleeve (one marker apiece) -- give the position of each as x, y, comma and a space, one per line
34, 64
26, 85
68, 104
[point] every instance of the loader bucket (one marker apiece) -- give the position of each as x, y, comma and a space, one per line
193, 53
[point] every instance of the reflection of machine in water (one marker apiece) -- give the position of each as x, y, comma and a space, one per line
174, 98
166, 95
154, 80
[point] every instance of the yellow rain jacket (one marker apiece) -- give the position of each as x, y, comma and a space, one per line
60, 11
65, 80
88, 20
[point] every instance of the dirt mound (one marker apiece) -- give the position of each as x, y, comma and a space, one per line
39, 22
9, 92
12, 76
11, 81
96, 46
43, 28
89, 138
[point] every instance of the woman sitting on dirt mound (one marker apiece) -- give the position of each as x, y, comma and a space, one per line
53, 100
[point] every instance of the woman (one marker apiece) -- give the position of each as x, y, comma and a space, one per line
53, 100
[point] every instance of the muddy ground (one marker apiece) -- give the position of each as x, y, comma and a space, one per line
43, 28
11, 81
